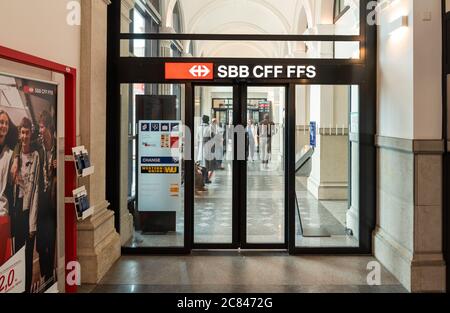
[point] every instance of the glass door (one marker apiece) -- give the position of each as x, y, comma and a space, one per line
265, 207
240, 161
214, 166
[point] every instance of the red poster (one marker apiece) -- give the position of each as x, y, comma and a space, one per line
28, 167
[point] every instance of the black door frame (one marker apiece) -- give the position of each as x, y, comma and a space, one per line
243, 172
361, 72
239, 172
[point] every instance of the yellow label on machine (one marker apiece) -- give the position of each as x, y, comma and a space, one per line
160, 169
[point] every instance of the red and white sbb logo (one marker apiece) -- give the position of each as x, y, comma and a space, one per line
27, 89
194, 71
199, 71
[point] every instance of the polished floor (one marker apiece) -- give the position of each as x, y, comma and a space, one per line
244, 272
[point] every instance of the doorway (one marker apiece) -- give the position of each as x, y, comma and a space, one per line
240, 161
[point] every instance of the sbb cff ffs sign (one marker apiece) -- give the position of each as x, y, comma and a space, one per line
210, 71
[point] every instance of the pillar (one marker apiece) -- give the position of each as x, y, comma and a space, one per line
98, 241
329, 107
408, 239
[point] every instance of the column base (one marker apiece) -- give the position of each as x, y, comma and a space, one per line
98, 244
327, 191
417, 273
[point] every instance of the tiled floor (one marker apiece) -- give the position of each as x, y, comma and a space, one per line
243, 272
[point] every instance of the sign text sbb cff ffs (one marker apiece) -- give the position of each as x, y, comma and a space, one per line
210, 71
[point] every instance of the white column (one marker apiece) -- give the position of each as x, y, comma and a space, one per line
329, 107
408, 236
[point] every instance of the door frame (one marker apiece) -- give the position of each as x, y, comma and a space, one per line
239, 175
243, 172
235, 218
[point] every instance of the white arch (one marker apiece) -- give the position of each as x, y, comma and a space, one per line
182, 19
217, 4
306, 6
168, 12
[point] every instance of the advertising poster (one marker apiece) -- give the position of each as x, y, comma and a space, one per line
28, 192
159, 166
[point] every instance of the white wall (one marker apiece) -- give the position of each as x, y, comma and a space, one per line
39, 28
409, 107
395, 70
409, 72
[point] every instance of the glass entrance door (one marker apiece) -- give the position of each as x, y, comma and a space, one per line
239, 190
265, 166
213, 169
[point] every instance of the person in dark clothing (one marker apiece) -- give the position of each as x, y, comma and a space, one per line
46, 221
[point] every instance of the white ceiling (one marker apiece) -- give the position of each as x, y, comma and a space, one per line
250, 17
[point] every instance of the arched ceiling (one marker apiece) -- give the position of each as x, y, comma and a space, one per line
268, 16
249, 17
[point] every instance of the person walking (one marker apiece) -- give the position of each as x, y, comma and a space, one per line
265, 132
250, 138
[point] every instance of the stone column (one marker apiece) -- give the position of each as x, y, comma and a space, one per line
408, 235
329, 107
126, 219
98, 241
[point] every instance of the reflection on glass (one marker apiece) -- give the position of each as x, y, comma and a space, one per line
327, 205
265, 153
156, 216
213, 167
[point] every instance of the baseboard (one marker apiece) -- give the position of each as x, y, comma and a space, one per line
395, 257
327, 191
423, 272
